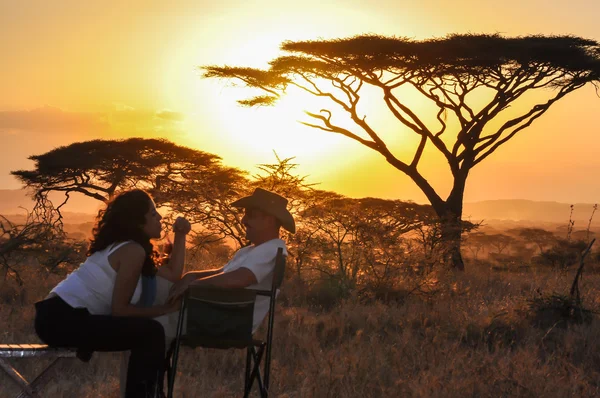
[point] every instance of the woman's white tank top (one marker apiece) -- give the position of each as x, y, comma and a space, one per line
91, 285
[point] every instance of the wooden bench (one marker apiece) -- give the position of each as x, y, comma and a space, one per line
29, 389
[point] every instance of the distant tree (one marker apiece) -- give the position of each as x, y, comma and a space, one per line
477, 241
522, 251
358, 236
538, 236
500, 242
583, 235
99, 168
40, 238
562, 254
182, 179
473, 82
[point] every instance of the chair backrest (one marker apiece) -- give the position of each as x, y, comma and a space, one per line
240, 304
219, 317
278, 275
225, 316
279, 271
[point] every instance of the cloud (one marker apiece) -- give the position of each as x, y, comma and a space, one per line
119, 122
50, 119
170, 115
35, 131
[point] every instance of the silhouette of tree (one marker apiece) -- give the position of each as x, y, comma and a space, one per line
538, 236
182, 179
583, 235
471, 80
99, 168
477, 241
562, 254
40, 236
358, 236
500, 242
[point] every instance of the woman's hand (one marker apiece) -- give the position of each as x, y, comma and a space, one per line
179, 288
173, 305
182, 225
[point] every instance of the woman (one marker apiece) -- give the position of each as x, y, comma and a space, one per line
94, 308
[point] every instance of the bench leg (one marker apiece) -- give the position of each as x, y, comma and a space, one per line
17, 378
27, 389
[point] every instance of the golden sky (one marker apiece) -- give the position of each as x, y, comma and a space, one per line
77, 70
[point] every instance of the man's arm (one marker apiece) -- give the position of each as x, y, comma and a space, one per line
194, 275
240, 278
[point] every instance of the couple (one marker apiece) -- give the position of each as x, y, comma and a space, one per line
110, 302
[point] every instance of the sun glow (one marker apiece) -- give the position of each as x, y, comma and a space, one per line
277, 127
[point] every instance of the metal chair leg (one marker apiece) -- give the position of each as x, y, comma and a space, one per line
247, 385
255, 374
176, 349
261, 386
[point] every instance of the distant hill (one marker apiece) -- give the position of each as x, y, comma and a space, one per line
79, 208
517, 211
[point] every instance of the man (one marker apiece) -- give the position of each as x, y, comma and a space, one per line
251, 266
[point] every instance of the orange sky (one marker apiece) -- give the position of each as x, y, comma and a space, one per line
74, 70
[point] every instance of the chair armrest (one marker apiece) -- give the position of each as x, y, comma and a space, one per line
220, 294
261, 292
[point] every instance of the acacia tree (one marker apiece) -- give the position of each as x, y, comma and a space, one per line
183, 179
470, 79
355, 236
99, 168
538, 236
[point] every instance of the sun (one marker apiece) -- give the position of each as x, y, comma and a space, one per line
251, 135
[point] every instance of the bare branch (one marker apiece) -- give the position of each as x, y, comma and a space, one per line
336, 129
519, 123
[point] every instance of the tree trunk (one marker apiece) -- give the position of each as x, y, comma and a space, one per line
451, 224
451, 239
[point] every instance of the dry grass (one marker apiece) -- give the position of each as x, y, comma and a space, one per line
470, 338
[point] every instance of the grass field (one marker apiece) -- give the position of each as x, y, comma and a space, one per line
471, 335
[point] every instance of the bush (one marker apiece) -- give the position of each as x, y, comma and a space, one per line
557, 310
562, 255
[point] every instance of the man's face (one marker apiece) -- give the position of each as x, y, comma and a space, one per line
258, 224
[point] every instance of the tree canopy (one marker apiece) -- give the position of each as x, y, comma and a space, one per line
99, 168
449, 72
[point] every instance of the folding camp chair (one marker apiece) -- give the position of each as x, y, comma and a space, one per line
222, 318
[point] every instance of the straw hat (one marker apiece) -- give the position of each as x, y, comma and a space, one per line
271, 203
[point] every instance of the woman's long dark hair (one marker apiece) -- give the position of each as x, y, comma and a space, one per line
123, 220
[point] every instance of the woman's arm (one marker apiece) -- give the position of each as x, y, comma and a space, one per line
173, 270
128, 261
190, 277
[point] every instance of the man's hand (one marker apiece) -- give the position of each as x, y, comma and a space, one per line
182, 225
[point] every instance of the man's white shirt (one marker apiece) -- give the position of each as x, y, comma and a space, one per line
260, 260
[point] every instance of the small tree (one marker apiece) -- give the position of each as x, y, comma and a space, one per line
184, 180
538, 236
359, 236
477, 241
99, 168
470, 80
500, 242
39, 237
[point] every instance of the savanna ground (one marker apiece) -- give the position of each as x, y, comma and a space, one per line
467, 334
